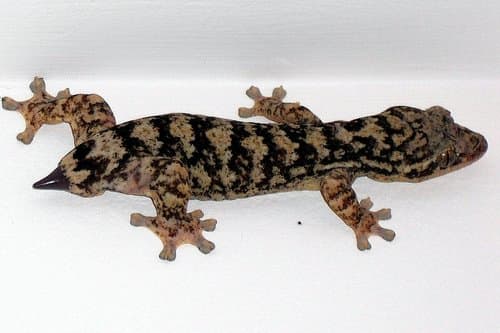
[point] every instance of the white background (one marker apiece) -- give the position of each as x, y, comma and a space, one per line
250, 39
69, 264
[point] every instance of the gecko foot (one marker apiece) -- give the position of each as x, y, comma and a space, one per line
31, 108
174, 232
368, 225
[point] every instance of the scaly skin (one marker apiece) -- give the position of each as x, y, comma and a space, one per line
86, 114
176, 157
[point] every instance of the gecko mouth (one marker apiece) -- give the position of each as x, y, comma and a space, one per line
56, 180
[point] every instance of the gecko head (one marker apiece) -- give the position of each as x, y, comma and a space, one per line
80, 172
445, 146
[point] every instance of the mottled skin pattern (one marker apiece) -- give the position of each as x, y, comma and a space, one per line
176, 157
86, 114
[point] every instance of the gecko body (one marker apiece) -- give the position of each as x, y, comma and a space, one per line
177, 157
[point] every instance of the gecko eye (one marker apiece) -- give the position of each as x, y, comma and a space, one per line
446, 158
443, 160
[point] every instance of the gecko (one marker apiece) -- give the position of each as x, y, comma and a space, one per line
177, 157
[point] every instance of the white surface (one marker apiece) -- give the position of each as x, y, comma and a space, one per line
70, 264
250, 39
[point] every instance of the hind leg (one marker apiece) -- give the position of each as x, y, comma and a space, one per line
273, 108
166, 182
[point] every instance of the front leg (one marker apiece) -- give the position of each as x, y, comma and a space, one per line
273, 108
166, 182
337, 191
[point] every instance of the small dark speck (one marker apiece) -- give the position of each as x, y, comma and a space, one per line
299, 222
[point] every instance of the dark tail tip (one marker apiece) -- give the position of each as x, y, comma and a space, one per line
56, 180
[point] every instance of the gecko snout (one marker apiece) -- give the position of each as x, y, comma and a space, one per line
56, 180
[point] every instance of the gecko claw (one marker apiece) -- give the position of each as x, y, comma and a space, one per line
254, 93
279, 93
10, 104
386, 234
26, 136
366, 203
169, 252
362, 242
209, 224
244, 112
37, 86
205, 246
383, 214
65, 93
138, 220
196, 214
